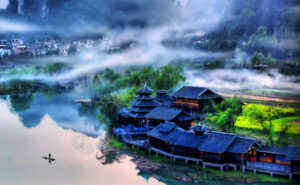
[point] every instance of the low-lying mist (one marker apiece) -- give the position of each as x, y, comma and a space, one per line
243, 79
146, 29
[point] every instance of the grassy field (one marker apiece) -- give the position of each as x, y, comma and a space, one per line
291, 117
246, 126
272, 103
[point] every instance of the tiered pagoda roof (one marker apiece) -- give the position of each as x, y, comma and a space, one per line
163, 97
143, 104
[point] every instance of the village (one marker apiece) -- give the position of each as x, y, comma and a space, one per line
168, 125
17, 47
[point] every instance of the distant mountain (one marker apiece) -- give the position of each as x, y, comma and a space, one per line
115, 13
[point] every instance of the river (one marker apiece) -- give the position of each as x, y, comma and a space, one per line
32, 126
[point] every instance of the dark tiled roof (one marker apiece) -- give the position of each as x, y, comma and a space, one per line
272, 149
195, 92
176, 136
188, 139
161, 92
217, 142
166, 103
293, 153
124, 112
136, 115
240, 145
145, 90
200, 128
167, 127
139, 97
164, 113
145, 103
158, 132
162, 98
184, 118
140, 109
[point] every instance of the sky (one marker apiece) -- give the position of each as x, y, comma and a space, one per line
3, 4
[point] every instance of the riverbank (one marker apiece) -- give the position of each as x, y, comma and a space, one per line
192, 173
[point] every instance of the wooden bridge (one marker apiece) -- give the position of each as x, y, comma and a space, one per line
174, 157
272, 168
126, 138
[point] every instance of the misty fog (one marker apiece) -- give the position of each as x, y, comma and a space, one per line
149, 24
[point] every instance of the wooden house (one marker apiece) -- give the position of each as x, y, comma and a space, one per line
161, 136
174, 140
241, 150
276, 160
214, 146
194, 99
208, 146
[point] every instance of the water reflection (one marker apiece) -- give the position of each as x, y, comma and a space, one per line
69, 115
22, 150
33, 125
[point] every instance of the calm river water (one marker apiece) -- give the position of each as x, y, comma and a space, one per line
31, 126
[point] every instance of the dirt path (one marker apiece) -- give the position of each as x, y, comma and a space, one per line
262, 98
296, 122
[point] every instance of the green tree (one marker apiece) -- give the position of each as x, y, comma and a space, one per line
138, 78
264, 115
109, 107
169, 76
20, 103
129, 95
257, 59
110, 74
53, 68
270, 60
225, 113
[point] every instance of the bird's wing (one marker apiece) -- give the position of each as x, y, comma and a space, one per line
45, 157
